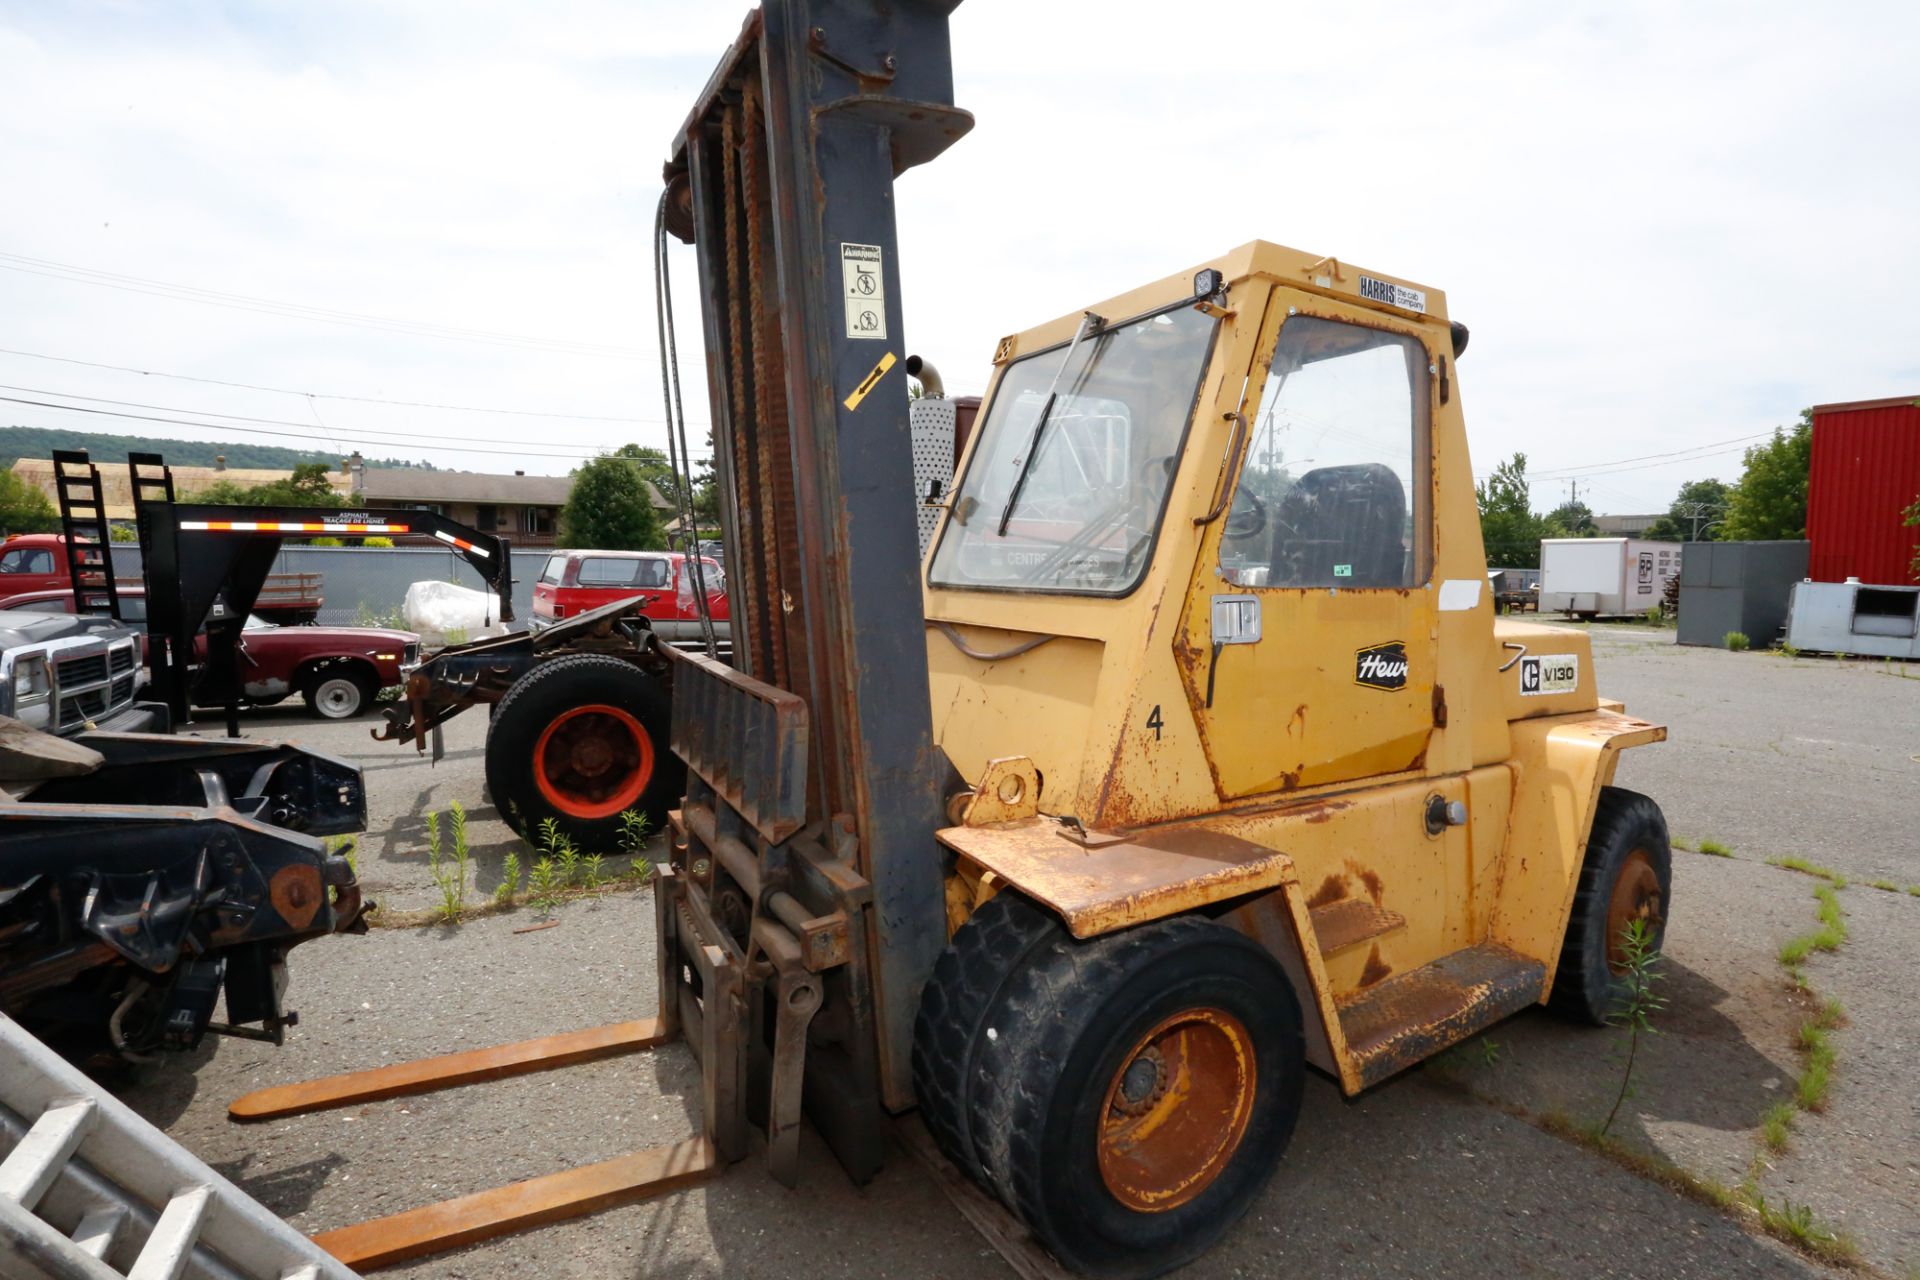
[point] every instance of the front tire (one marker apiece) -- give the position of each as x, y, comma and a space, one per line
339, 695
581, 740
1133, 1094
1627, 875
965, 990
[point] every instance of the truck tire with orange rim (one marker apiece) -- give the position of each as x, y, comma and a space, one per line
1132, 1094
1627, 876
582, 739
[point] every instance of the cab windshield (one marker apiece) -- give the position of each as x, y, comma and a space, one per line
1080, 515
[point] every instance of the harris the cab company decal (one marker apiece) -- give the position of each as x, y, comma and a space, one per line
1381, 666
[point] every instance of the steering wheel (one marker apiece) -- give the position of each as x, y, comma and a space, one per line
1245, 521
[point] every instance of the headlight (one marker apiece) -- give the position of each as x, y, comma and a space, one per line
30, 679
31, 703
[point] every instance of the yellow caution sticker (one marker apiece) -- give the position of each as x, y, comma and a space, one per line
870, 381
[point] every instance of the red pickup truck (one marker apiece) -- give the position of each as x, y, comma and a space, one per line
338, 670
575, 581
32, 562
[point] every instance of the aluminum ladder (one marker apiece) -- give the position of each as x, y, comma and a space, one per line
90, 1191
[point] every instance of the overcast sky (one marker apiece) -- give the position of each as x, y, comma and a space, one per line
1670, 227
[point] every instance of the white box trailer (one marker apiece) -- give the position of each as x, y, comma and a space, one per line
1595, 577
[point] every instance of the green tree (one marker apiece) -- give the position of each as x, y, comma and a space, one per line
1771, 501
1508, 525
308, 486
23, 508
1572, 519
1697, 513
609, 508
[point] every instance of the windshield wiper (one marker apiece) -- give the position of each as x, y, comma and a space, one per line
1089, 324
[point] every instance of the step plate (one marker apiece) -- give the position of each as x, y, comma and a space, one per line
1403, 1020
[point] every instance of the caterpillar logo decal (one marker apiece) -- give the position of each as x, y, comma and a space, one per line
1382, 666
1550, 673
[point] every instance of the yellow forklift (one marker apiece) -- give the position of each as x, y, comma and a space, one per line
1192, 756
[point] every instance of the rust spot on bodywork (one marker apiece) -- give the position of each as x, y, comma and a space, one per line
296, 894
1376, 967
1375, 888
1332, 889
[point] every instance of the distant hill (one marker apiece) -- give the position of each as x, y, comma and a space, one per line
40, 442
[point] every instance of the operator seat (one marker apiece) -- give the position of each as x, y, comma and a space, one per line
1333, 518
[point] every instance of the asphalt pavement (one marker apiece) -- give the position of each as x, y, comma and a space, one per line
1444, 1171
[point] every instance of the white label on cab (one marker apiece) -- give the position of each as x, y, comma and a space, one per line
1394, 295
1550, 673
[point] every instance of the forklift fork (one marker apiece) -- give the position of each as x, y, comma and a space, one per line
742, 990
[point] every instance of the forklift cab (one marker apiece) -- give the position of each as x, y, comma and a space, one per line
1240, 463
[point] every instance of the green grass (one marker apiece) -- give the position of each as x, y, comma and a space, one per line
1885, 886
1805, 868
1736, 641
1914, 889
1817, 1079
1777, 1124
509, 886
1715, 849
1795, 1224
1828, 937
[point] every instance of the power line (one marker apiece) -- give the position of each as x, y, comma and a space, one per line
300, 311
587, 450
1562, 473
332, 395
367, 438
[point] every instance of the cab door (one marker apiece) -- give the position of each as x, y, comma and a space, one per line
1308, 642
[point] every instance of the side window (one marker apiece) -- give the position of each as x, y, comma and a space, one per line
14, 562
1334, 490
554, 568
27, 560
653, 573
133, 608
606, 571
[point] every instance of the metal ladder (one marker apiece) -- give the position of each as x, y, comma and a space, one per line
90, 1191
89, 545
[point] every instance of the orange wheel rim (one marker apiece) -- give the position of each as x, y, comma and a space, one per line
593, 761
1176, 1110
1636, 896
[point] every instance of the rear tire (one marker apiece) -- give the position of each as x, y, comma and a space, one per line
1132, 1095
581, 740
967, 984
1627, 874
339, 693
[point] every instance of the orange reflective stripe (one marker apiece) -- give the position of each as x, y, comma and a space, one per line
287, 526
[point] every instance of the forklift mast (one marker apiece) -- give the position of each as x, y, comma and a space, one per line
782, 177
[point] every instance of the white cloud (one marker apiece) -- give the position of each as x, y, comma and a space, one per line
1666, 225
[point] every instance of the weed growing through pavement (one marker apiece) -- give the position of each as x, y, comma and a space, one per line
1640, 964
509, 887
543, 886
449, 877
1776, 1124
591, 866
1714, 849
1737, 641
634, 832
1806, 868
1828, 937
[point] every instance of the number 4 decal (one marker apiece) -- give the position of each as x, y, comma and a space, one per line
1154, 722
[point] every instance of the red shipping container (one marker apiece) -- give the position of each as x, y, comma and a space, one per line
1865, 474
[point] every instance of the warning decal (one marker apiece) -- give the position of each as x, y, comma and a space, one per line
864, 287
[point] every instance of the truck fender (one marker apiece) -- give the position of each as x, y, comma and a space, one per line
1099, 882
1560, 763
